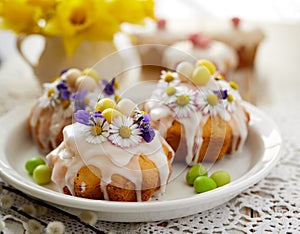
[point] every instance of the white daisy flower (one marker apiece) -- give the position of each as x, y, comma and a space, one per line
97, 130
229, 103
51, 95
168, 78
124, 132
183, 102
211, 104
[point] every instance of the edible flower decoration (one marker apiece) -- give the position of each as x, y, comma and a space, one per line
111, 125
94, 126
57, 93
202, 90
181, 100
73, 20
124, 132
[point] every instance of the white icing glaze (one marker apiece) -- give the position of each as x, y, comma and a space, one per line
222, 55
108, 158
163, 117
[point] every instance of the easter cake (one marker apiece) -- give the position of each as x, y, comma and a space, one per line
245, 37
72, 90
198, 46
199, 113
111, 153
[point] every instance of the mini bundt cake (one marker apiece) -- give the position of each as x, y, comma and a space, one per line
198, 113
198, 46
71, 91
113, 154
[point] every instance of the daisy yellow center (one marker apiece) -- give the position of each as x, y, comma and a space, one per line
169, 78
230, 97
171, 91
125, 132
96, 130
50, 92
182, 100
233, 85
212, 99
78, 17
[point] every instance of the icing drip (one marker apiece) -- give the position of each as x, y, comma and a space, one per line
108, 158
163, 118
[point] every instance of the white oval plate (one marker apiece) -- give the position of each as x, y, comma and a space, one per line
259, 155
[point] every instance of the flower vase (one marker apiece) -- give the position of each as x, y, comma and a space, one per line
53, 58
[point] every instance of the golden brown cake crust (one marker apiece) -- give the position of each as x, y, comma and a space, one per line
88, 179
216, 134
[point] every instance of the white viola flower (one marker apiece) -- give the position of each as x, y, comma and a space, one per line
96, 130
183, 102
35, 227
124, 133
55, 227
210, 103
88, 217
6, 202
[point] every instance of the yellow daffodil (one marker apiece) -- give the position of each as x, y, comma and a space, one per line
131, 11
18, 16
73, 20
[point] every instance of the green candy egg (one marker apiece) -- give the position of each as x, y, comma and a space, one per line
194, 172
32, 163
42, 174
203, 184
201, 75
221, 177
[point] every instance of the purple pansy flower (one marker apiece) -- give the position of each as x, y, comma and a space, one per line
109, 87
147, 131
63, 91
82, 116
78, 98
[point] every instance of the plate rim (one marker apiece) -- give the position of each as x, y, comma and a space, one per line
234, 188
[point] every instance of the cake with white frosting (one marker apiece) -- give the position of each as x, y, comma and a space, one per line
198, 113
245, 37
112, 154
72, 90
198, 46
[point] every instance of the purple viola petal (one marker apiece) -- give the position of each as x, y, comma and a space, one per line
146, 118
82, 117
222, 94
149, 135
65, 94
97, 115
64, 71
109, 87
78, 98
63, 90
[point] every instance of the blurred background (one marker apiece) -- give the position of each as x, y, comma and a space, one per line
261, 11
